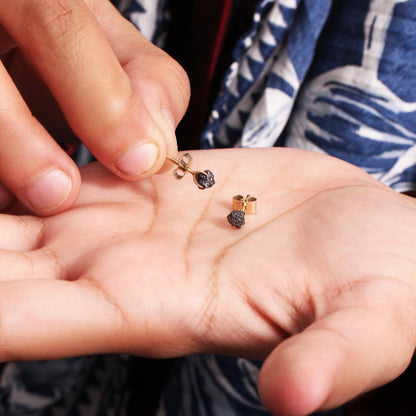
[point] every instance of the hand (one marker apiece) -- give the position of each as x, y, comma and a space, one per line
83, 71
321, 280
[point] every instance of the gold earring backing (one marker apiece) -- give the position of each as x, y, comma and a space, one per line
202, 178
247, 204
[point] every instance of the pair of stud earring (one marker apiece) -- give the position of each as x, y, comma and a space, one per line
205, 179
241, 206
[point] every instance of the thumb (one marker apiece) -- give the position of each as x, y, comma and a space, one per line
158, 80
351, 351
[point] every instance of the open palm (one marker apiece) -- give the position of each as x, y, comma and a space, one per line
321, 280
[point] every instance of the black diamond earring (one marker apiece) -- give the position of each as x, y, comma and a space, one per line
241, 207
202, 178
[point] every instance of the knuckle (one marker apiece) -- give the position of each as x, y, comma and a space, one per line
104, 120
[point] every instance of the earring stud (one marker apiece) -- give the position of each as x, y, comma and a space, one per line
202, 178
241, 207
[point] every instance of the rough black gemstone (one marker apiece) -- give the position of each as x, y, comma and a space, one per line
236, 218
205, 179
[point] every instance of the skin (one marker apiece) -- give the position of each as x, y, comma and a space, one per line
320, 282
75, 69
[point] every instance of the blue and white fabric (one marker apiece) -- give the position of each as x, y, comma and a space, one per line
88, 386
149, 16
270, 64
359, 102
335, 77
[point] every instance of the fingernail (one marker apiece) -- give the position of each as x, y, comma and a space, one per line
6, 197
138, 159
49, 191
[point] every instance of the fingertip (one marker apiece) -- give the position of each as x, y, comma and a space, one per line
139, 159
292, 385
52, 191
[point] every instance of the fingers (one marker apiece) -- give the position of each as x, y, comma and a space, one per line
157, 79
120, 94
32, 165
40, 319
349, 352
64, 41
